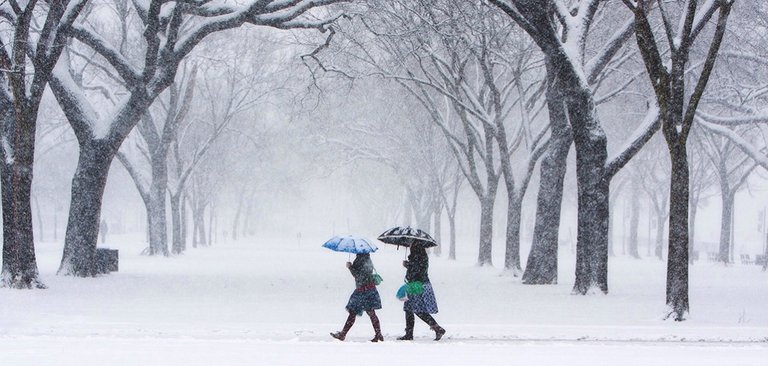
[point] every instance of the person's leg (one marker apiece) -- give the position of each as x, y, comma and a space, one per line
409, 322
343, 333
376, 326
439, 331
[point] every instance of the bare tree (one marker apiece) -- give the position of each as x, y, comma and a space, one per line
667, 73
561, 32
169, 31
33, 36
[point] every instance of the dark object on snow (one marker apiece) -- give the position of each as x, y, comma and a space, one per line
407, 237
424, 303
365, 298
106, 260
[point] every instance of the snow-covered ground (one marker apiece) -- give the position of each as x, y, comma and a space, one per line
273, 302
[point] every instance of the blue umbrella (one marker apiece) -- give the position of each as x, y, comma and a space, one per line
350, 244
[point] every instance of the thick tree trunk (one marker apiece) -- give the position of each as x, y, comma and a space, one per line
85, 209
634, 221
19, 262
593, 192
485, 250
677, 259
726, 220
541, 268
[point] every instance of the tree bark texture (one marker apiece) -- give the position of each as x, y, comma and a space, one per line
88, 186
541, 268
593, 190
677, 259
19, 263
156, 210
485, 250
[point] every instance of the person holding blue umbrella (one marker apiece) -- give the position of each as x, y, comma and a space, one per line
365, 297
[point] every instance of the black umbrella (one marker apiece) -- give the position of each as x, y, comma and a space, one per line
407, 237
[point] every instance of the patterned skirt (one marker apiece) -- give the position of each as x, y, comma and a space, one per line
364, 300
422, 303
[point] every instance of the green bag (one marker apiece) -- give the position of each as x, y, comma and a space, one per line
377, 279
414, 288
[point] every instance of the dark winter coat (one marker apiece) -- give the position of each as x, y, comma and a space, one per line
365, 296
416, 268
362, 270
417, 265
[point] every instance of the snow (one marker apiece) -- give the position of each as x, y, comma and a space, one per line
272, 301
7, 151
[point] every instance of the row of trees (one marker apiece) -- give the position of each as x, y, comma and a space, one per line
512, 85
491, 91
128, 53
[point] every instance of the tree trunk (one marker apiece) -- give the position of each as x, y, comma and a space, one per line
184, 222
201, 227
661, 219
437, 228
726, 220
485, 252
634, 221
19, 262
512, 254
593, 192
85, 209
452, 235
156, 209
211, 226
541, 268
177, 247
692, 229
677, 258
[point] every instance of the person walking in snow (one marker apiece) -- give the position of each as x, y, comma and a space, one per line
421, 304
364, 298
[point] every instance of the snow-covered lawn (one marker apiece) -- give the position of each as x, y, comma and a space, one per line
273, 302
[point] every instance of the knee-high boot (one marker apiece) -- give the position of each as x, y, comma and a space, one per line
376, 326
347, 326
409, 322
439, 331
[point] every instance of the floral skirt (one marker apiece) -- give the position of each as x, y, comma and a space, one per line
364, 300
422, 303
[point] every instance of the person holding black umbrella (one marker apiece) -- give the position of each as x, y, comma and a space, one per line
422, 304
364, 298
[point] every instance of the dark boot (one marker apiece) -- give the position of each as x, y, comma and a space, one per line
376, 326
341, 335
409, 320
439, 332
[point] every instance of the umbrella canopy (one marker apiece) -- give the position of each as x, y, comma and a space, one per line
407, 237
350, 244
